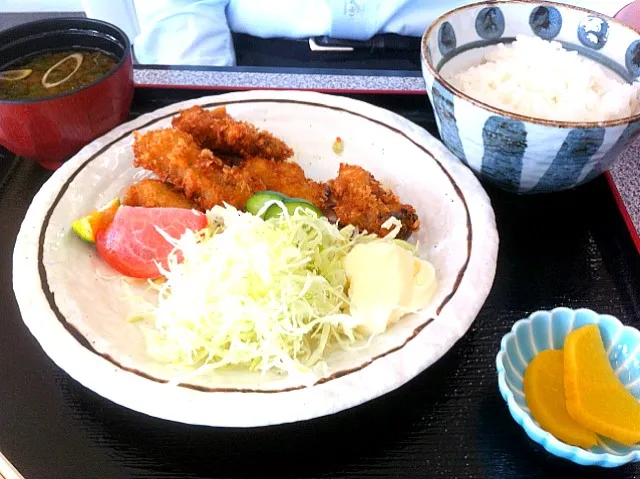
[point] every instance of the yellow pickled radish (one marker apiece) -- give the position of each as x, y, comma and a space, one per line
544, 394
595, 396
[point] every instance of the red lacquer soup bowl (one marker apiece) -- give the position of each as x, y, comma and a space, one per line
50, 130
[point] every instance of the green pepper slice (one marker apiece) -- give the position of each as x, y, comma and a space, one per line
257, 201
291, 204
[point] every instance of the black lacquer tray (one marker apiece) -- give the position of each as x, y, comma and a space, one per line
568, 249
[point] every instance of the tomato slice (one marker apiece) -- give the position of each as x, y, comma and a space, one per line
131, 244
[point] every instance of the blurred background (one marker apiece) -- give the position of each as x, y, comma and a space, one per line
344, 34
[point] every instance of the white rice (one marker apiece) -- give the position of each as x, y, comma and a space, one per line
541, 79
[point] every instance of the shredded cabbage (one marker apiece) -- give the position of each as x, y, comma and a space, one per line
268, 295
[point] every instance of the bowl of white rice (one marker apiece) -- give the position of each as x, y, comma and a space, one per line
534, 97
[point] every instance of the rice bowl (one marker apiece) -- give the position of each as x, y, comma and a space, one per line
511, 125
538, 78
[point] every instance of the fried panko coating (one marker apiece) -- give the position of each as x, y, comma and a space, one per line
289, 179
355, 196
217, 131
175, 157
151, 193
362, 201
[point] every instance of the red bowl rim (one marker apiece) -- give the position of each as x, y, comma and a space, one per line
125, 57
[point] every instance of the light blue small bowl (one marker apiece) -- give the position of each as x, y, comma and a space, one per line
548, 330
516, 152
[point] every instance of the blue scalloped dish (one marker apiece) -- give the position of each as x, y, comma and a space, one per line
548, 330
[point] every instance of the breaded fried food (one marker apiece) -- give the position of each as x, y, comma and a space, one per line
150, 193
289, 179
168, 150
175, 157
218, 132
354, 197
359, 199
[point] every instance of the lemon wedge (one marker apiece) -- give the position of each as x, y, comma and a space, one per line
87, 226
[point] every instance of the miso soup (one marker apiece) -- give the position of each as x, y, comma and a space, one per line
53, 73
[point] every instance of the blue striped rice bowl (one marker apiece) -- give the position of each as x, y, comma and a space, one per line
513, 151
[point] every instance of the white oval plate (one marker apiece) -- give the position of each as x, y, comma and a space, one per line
77, 313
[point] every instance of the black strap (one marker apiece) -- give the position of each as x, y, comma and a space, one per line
382, 52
